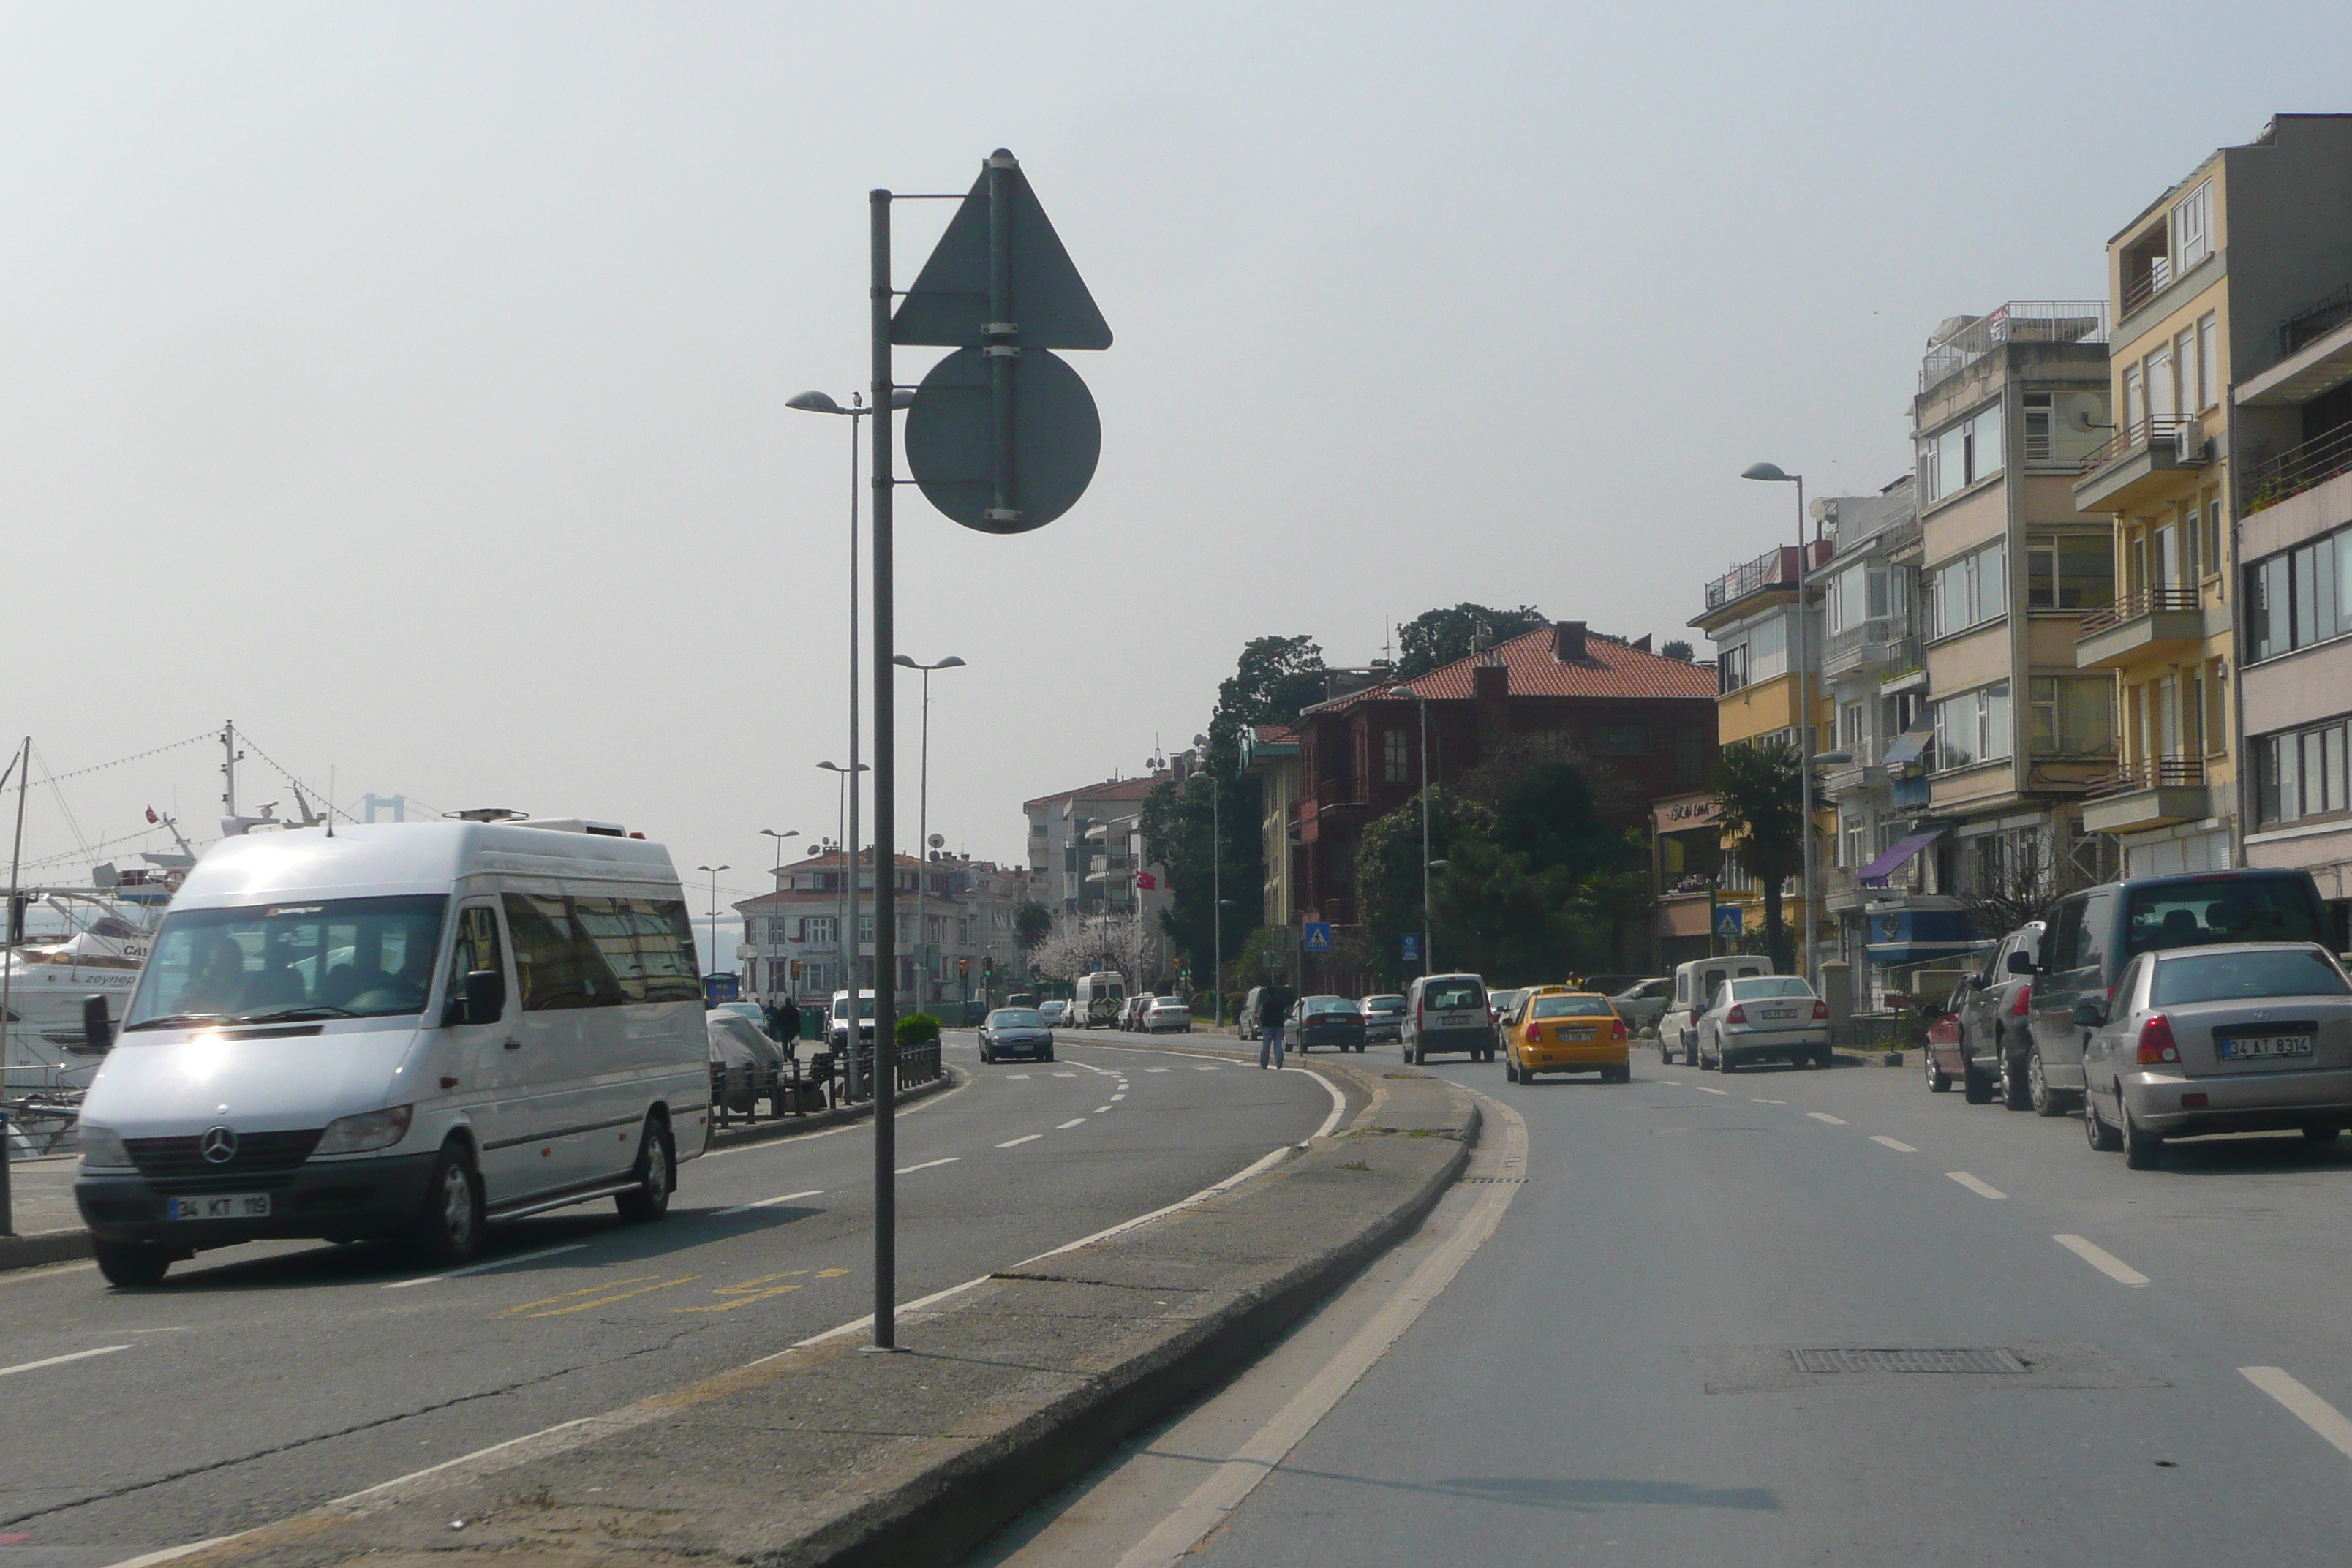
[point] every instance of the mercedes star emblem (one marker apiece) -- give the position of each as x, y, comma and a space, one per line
219, 1145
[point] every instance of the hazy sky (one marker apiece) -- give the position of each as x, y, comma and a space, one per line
407, 382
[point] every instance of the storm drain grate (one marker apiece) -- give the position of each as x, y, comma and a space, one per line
1843, 1359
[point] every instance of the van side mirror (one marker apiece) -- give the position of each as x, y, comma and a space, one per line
2090, 1013
2022, 963
486, 996
98, 1029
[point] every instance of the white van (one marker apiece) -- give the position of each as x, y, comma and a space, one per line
1100, 996
399, 1030
836, 1029
1695, 984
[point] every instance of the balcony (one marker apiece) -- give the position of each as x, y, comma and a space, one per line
1882, 642
2149, 794
2018, 322
2138, 462
2163, 619
1773, 569
2297, 469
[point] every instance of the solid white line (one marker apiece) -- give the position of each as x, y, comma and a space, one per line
1339, 1104
2100, 1259
1230, 1483
767, 1203
2304, 1405
494, 1263
1704, 1090
1981, 1189
1768, 1102
58, 1359
910, 1169
1073, 1121
1024, 1138
1825, 1116
1896, 1144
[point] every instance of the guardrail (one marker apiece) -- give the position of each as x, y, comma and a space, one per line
2130, 438
2297, 469
2018, 320
2161, 773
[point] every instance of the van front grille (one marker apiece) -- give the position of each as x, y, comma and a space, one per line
180, 1162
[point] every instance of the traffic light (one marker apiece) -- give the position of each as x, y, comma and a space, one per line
963, 968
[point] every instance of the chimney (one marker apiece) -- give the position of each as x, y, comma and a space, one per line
1567, 640
1642, 642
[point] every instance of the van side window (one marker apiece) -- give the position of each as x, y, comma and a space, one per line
2098, 916
477, 947
647, 943
2060, 943
557, 963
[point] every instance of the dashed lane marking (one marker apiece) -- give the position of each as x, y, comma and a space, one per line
486, 1268
910, 1169
1100, 1109
769, 1203
1065, 1075
1208, 1070
1118, 1097
1158, 1069
1014, 1076
2100, 1259
1896, 1144
1825, 1116
1704, 1090
1767, 1101
1024, 1138
2303, 1405
1981, 1189
1073, 1121
58, 1359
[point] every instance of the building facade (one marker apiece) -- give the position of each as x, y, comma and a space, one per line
1270, 755
1084, 851
792, 936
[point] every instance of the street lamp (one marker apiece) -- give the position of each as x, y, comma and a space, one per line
1771, 474
1216, 888
1428, 937
779, 875
923, 817
847, 936
714, 871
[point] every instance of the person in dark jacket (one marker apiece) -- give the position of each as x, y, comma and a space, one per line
1273, 1011
784, 1025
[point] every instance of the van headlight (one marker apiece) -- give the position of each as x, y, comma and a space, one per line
356, 1134
102, 1148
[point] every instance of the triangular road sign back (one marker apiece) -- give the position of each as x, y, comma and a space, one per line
948, 303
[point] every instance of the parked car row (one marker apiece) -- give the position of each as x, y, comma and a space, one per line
2162, 1007
1148, 1015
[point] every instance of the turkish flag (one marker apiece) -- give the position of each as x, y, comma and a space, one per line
1146, 880
151, 817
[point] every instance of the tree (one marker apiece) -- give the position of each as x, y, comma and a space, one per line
1181, 835
1763, 816
1274, 678
1031, 922
1504, 918
1388, 866
1547, 814
1439, 636
1677, 648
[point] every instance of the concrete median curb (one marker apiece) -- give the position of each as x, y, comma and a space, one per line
1007, 1388
43, 1246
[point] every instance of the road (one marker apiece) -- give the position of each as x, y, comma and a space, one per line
256, 1381
1610, 1377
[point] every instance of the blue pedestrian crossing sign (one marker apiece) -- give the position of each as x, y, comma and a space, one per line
1317, 936
1730, 921
1412, 940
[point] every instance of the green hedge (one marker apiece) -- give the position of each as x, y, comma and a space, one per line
917, 1029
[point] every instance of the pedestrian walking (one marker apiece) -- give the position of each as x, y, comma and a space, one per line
1271, 1013
785, 1025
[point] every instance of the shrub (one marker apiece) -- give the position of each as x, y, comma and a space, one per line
917, 1029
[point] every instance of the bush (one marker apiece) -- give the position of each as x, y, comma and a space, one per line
1204, 1004
917, 1029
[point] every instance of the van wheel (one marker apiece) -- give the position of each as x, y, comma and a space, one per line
2038, 1092
129, 1263
450, 1228
655, 1175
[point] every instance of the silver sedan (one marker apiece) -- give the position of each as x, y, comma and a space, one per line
2247, 1037
1764, 1018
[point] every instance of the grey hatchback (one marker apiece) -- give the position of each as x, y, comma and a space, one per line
2242, 1037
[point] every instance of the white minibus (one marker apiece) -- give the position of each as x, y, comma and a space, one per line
398, 1030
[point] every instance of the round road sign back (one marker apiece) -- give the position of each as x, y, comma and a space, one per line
1057, 438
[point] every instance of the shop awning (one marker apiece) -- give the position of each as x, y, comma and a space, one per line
1874, 875
1906, 748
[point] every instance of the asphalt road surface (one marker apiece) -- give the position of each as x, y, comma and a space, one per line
259, 1381
1671, 1350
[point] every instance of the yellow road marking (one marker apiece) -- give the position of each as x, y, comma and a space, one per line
604, 1296
831, 1273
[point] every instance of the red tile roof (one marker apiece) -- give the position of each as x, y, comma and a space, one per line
1275, 734
1606, 670
1109, 789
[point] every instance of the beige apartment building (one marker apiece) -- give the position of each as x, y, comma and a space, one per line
2204, 282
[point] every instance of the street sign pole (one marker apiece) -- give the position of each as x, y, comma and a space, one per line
886, 814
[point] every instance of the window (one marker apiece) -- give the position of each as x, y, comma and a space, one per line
2163, 400
2184, 355
2297, 598
1731, 668
1618, 740
1972, 728
1969, 591
865, 929
477, 948
1767, 648
1393, 761
2300, 773
2232, 910
2209, 363
370, 957
819, 930
1857, 594
2135, 404
1854, 842
2037, 426
1849, 730
2192, 230
2212, 544
2073, 717
2069, 574
1961, 454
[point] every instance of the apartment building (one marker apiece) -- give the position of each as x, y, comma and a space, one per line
1082, 861
1270, 755
791, 935
2009, 733
2208, 283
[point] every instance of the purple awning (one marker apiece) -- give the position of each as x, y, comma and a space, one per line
1874, 875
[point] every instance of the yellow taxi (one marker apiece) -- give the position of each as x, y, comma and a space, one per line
1554, 1030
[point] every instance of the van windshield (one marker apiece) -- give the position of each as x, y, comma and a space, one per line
2221, 909
324, 958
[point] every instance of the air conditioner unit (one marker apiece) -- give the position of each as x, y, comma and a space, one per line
2188, 442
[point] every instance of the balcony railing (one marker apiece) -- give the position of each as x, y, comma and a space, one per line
2018, 322
1772, 568
2129, 438
1887, 635
2159, 773
2315, 321
2140, 602
2298, 469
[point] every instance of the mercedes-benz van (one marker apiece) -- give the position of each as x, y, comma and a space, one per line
398, 1030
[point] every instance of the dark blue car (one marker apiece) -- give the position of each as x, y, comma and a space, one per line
1325, 1021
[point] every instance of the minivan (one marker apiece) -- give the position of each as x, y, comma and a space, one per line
1448, 1013
1696, 982
401, 1030
2090, 936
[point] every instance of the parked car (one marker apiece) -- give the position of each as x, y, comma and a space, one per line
2244, 1037
1554, 1030
837, 1029
1607, 985
1053, 1012
1943, 1056
1642, 1004
1016, 1032
1448, 1013
1245, 1025
1325, 1021
1167, 1015
750, 1010
735, 1076
1764, 1018
2095, 934
1986, 1047
1383, 1018
1696, 983
1499, 1002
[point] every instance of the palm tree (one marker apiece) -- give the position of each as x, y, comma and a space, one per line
1762, 809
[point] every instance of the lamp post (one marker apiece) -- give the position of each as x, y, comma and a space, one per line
714, 871
848, 933
1217, 890
1772, 473
923, 817
1428, 937
778, 874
